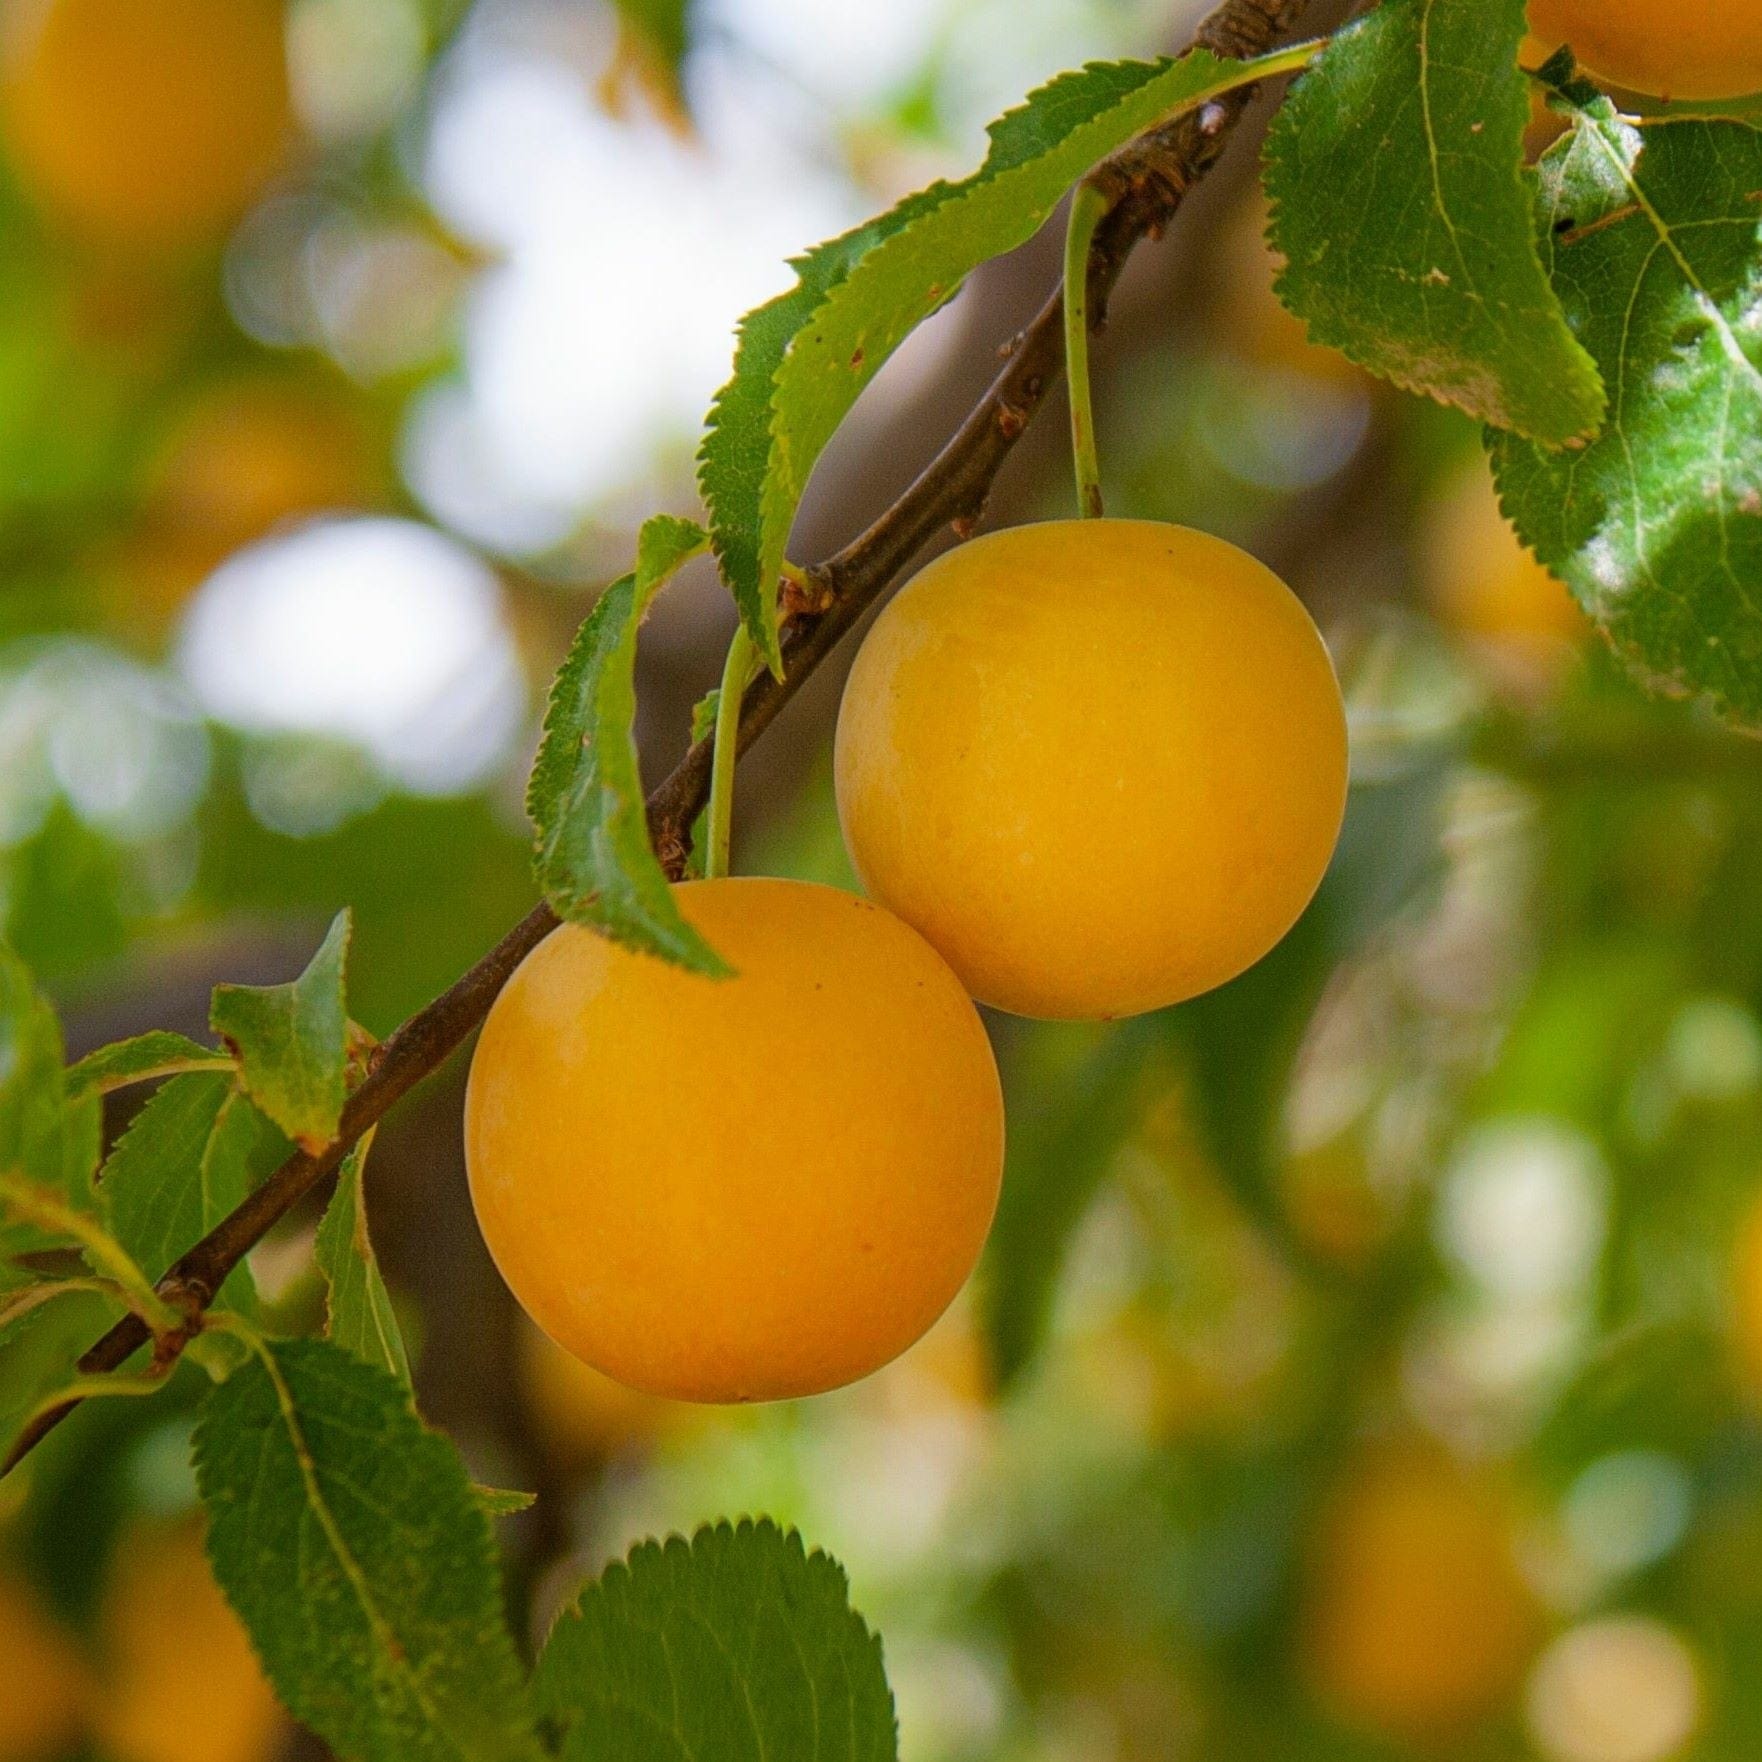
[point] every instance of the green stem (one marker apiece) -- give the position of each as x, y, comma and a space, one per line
43, 1207
1277, 61
23, 1302
146, 1382
1088, 204
736, 671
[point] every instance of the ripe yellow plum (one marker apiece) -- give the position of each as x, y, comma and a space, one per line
737, 1189
1670, 48
144, 123
1099, 764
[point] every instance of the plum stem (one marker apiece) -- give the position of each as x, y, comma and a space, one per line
736, 672
1088, 204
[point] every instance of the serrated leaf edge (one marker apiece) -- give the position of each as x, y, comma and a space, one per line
1319, 333
383, 1632
776, 500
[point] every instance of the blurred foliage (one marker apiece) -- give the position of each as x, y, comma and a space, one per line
1368, 1360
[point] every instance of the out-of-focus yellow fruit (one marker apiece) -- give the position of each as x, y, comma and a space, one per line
1099, 764
1670, 48
144, 123
247, 456
1416, 1622
671, 1204
180, 1682
581, 1415
1746, 1296
43, 1685
1489, 588
252, 453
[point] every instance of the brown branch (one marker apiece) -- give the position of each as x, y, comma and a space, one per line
1146, 182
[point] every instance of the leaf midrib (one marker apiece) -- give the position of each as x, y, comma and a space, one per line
391, 1646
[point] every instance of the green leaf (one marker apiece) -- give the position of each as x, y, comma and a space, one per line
141, 1060
802, 358
39, 1348
72, 1227
187, 1159
738, 1646
150, 1188
292, 1042
47, 1140
703, 714
1066, 1127
665, 26
82, 1143
32, 1097
1244, 1038
585, 797
1653, 243
503, 1501
1664, 1385
1593, 1013
1395, 174
348, 1537
360, 1308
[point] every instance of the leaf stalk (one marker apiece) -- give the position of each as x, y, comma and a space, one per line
737, 670
1088, 204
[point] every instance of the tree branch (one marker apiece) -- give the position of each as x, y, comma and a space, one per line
1146, 183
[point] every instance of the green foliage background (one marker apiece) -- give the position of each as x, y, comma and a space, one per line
1461, 1183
